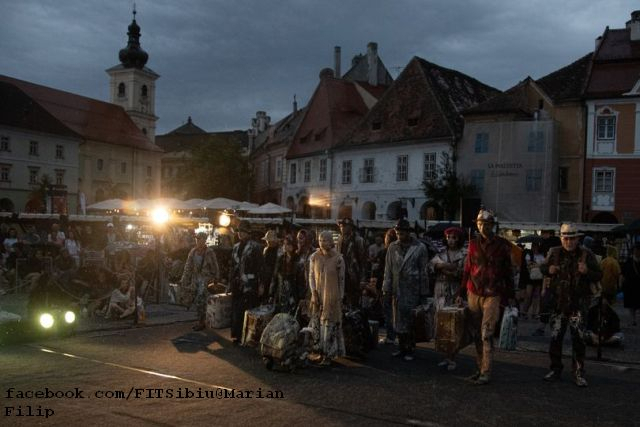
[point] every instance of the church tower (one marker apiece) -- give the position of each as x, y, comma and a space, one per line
133, 85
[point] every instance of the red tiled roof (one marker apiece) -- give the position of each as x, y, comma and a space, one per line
335, 107
91, 119
616, 65
430, 96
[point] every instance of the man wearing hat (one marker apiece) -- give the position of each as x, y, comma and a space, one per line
406, 280
200, 269
487, 279
353, 251
246, 265
269, 257
572, 268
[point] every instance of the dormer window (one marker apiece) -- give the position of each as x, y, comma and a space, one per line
121, 90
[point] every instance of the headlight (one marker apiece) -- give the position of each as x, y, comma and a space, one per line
46, 320
69, 317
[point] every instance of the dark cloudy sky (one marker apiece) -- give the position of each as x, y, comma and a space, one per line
222, 60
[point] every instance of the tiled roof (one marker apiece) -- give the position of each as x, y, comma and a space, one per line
91, 119
18, 110
188, 128
424, 102
616, 65
173, 142
567, 83
513, 100
360, 71
281, 131
335, 107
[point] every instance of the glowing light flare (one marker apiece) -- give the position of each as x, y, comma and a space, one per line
160, 216
46, 320
224, 220
69, 317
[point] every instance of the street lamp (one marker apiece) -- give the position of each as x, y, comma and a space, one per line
224, 220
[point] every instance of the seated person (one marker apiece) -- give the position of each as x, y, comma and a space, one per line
121, 303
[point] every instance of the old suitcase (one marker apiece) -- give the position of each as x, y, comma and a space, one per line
424, 319
255, 320
509, 329
218, 314
449, 329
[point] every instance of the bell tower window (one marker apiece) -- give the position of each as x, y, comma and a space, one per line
121, 90
144, 91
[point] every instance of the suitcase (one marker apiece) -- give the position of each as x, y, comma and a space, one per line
424, 321
218, 314
255, 320
449, 329
279, 344
357, 333
509, 329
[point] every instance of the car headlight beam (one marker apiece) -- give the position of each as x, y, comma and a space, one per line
46, 320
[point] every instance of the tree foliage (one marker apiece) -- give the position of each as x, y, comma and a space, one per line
447, 189
216, 169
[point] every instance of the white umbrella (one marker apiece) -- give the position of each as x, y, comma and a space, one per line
108, 204
245, 206
219, 203
171, 203
269, 209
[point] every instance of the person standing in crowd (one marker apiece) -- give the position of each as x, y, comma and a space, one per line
631, 284
200, 269
533, 260
72, 245
10, 240
352, 248
304, 251
327, 285
246, 265
373, 250
448, 265
611, 274
112, 236
269, 257
487, 278
406, 279
56, 236
287, 285
378, 276
572, 268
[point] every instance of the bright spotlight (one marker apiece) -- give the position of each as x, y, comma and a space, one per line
69, 317
224, 220
160, 216
46, 320
129, 227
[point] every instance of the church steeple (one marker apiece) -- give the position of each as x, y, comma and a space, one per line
133, 56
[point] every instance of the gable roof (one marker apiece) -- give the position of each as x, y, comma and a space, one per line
18, 110
513, 100
359, 71
431, 96
173, 142
616, 65
335, 107
89, 118
567, 83
282, 131
188, 128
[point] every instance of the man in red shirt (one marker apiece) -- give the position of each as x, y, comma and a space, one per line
487, 279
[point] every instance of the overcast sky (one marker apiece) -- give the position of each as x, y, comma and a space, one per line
222, 60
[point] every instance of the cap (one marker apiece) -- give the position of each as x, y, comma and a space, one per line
569, 230
403, 224
454, 230
485, 215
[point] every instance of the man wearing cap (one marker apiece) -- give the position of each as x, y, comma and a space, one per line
269, 257
200, 269
246, 265
487, 278
406, 280
353, 251
572, 268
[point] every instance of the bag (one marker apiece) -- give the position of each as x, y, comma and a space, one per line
357, 333
535, 273
509, 329
424, 321
255, 320
279, 338
450, 329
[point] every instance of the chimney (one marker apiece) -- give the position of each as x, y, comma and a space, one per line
372, 62
262, 121
336, 60
295, 104
634, 26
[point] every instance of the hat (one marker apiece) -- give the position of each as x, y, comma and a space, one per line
201, 235
569, 230
403, 224
270, 236
244, 226
110, 224
345, 221
454, 230
485, 215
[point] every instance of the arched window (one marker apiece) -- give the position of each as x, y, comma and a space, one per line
144, 91
394, 210
121, 89
6, 205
